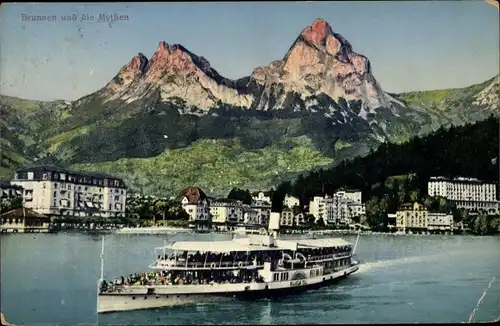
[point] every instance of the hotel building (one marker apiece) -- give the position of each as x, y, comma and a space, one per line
250, 215
439, 221
467, 193
411, 216
53, 191
224, 211
339, 208
263, 209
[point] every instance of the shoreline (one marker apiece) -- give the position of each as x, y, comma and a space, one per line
170, 230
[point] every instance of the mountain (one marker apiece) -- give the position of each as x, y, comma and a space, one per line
174, 117
320, 63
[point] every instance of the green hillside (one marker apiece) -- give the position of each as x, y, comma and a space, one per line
216, 166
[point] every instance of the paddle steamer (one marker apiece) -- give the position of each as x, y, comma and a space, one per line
256, 266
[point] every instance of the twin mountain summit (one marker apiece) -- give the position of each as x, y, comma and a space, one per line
172, 120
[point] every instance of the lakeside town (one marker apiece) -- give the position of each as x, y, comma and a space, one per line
50, 199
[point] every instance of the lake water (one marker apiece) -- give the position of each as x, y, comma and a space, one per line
51, 280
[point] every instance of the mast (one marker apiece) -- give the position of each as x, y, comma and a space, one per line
102, 259
356, 244
100, 279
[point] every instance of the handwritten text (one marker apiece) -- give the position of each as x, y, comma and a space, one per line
99, 18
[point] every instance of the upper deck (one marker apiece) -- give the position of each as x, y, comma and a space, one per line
250, 252
254, 243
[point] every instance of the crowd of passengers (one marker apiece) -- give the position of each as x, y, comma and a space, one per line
176, 278
255, 258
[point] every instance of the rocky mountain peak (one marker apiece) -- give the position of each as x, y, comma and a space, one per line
321, 35
489, 97
321, 62
128, 73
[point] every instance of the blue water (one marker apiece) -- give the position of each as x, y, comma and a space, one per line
51, 280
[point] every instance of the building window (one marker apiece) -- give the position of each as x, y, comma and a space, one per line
55, 193
55, 185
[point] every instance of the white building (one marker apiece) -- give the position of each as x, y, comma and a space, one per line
196, 204
291, 201
439, 221
317, 207
55, 191
411, 216
10, 191
466, 193
353, 196
287, 218
261, 196
250, 216
226, 212
342, 207
263, 209
300, 219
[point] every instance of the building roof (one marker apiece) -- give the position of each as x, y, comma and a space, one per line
23, 212
265, 193
349, 190
410, 206
193, 194
225, 201
6, 184
323, 243
252, 243
53, 168
459, 180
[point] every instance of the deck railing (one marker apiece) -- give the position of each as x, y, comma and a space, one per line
234, 264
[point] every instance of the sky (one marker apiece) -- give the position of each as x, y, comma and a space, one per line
412, 45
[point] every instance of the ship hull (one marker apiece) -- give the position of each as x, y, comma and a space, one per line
183, 295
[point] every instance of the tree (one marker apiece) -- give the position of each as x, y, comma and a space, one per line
481, 224
160, 208
414, 196
309, 219
296, 210
428, 202
241, 195
495, 224
376, 212
8, 204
